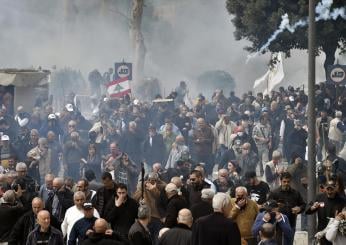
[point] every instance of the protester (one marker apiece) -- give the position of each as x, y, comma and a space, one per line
139, 233
216, 228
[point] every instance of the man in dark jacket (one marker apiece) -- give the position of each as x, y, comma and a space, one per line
121, 213
326, 205
139, 233
204, 207
59, 200
10, 211
290, 201
267, 234
27, 223
175, 204
104, 194
216, 228
103, 236
153, 147
195, 186
44, 233
181, 234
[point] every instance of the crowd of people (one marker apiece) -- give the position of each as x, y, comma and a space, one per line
231, 170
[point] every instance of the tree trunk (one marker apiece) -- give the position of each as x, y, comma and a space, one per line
329, 49
137, 40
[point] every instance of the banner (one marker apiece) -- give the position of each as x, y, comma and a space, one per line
119, 88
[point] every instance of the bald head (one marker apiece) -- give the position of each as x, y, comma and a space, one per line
58, 183
43, 219
185, 217
100, 226
37, 205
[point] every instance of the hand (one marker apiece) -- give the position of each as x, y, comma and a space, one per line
315, 206
150, 186
267, 217
89, 232
242, 202
340, 216
119, 201
296, 210
109, 232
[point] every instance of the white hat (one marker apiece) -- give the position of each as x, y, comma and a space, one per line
51, 116
69, 107
5, 138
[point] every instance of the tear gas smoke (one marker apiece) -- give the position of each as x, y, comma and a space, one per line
323, 12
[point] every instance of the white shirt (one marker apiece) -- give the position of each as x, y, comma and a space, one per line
72, 215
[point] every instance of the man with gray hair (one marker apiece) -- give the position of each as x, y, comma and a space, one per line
181, 234
203, 207
10, 211
216, 228
139, 233
273, 169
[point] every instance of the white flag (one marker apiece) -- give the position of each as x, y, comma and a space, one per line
276, 74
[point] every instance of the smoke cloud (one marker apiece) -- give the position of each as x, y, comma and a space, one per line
183, 38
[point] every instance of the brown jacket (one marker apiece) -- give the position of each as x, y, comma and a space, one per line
244, 218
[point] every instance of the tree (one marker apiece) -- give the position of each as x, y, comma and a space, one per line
257, 20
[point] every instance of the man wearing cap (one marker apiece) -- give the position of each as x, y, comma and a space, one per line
174, 205
326, 205
204, 207
181, 234
74, 213
270, 215
81, 226
51, 124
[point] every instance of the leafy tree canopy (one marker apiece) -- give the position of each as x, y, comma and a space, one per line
257, 20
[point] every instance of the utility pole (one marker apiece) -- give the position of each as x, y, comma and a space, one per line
137, 40
311, 119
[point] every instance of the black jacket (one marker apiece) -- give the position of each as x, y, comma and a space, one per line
103, 239
66, 201
200, 209
179, 235
175, 204
99, 200
24, 226
155, 152
55, 236
215, 229
9, 214
287, 200
121, 218
138, 235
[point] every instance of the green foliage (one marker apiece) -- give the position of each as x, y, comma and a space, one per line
256, 20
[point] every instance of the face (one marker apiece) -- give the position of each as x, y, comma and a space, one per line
114, 148
21, 172
43, 219
37, 206
92, 151
80, 186
240, 194
245, 149
49, 183
79, 200
34, 136
108, 183
71, 127
330, 191
50, 136
285, 183
88, 213
194, 180
230, 167
121, 192
183, 111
